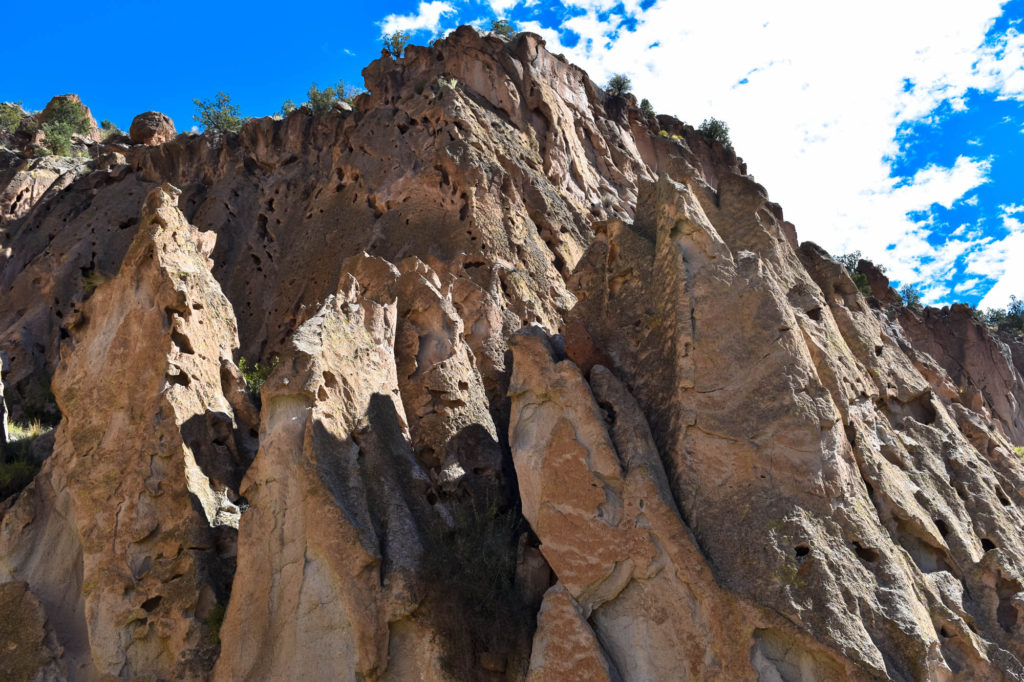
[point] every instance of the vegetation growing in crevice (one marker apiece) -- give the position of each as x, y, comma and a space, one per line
472, 600
255, 375
18, 466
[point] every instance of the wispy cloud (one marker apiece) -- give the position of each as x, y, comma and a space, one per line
427, 18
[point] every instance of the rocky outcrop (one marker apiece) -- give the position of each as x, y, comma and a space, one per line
29, 182
555, 397
980, 366
330, 544
805, 475
47, 114
126, 536
595, 492
151, 128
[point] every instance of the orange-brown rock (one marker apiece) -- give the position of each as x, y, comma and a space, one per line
151, 128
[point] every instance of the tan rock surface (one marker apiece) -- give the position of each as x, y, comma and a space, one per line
330, 541
126, 534
807, 452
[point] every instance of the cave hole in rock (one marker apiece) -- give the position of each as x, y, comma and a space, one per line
150, 604
866, 554
182, 342
987, 545
1003, 500
815, 313
179, 379
942, 526
802, 550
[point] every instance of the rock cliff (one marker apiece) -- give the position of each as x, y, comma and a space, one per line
554, 397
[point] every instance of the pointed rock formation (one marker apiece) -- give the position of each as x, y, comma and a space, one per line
329, 546
126, 536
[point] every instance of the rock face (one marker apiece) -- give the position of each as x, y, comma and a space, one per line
151, 128
30, 647
554, 397
126, 536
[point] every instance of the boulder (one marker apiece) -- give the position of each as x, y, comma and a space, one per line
152, 128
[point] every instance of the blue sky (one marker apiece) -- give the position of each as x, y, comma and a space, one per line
894, 128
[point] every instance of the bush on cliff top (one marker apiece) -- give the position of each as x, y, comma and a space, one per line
395, 43
715, 130
10, 116
219, 115
618, 85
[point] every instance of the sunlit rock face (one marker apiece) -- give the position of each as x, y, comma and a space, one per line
549, 395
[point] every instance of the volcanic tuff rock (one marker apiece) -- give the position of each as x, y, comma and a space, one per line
151, 128
490, 288
122, 534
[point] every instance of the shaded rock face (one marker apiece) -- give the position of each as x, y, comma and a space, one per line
556, 397
151, 128
126, 536
31, 650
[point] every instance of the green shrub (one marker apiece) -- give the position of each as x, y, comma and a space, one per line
10, 116
288, 107
911, 297
714, 130
256, 374
71, 113
1019, 451
663, 133
58, 137
850, 261
646, 108
501, 27
219, 115
321, 101
19, 467
443, 82
395, 43
618, 85
65, 118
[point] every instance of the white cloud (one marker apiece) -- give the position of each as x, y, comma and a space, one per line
967, 285
427, 18
1000, 260
502, 7
814, 98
